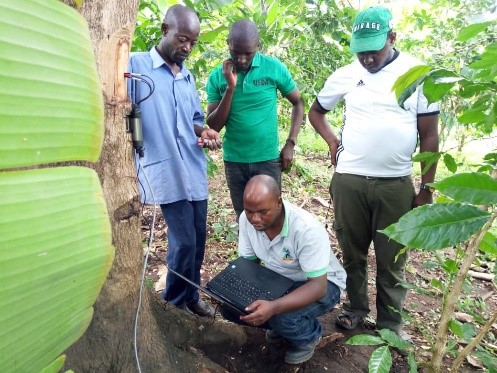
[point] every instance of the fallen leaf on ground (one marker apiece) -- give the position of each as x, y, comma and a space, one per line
475, 362
463, 317
329, 338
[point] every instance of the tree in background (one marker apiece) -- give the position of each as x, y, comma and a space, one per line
310, 36
118, 339
430, 31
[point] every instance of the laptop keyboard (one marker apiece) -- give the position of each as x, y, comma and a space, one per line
241, 287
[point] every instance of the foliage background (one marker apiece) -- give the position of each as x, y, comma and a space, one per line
312, 38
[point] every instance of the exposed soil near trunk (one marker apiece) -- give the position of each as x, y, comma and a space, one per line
333, 354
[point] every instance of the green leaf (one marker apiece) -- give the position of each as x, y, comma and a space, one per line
211, 35
472, 30
491, 158
470, 89
365, 340
450, 163
409, 77
489, 244
273, 12
411, 361
55, 238
380, 360
437, 226
406, 84
55, 366
438, 83
450, 266
489, 360
394, 340
428, 158
472, 115
486, 60
474, 187
52, 108
464, 331
437, 284
55, 254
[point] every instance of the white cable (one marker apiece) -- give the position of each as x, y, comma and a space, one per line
135, 337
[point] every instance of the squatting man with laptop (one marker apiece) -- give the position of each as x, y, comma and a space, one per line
291, 242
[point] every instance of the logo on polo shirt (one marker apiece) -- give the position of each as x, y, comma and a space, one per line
287, 257
258, 82
360, 83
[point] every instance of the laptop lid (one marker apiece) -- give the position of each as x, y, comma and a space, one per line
243, 281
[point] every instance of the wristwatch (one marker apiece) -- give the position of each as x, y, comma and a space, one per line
291, 140
427, 187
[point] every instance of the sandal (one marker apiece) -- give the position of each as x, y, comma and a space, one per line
348, 320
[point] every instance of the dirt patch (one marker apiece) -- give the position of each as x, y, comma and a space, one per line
333, 354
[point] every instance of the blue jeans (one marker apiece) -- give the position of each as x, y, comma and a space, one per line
186, 235
299, 327
238, 174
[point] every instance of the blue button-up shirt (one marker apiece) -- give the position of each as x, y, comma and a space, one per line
173, 164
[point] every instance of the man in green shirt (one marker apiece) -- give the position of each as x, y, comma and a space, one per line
242, 96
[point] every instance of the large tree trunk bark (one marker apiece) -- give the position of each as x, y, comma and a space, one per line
108, 346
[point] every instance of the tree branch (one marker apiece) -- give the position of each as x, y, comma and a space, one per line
471, 345
453, 296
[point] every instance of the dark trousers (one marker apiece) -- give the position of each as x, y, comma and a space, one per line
362, 207
186, 235
238, 174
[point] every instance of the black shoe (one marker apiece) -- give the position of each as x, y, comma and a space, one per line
298, 355
201, 308
273, 337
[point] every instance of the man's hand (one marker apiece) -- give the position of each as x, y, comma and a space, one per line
229, 72
286, 156
333, 145
210, 138
261, 311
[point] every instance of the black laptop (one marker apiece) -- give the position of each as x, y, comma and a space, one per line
242, 282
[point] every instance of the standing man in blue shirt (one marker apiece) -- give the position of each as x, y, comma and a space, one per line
173, 170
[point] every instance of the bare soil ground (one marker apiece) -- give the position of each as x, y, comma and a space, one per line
333, 354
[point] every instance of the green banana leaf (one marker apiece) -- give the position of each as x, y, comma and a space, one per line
55, 236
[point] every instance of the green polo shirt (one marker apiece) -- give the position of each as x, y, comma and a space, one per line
252, 127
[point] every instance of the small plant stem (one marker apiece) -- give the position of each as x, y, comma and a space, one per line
453, 296
471, 345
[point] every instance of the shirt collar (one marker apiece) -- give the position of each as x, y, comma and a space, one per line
158, 61
256, 62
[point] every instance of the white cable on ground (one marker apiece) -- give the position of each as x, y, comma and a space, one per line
150, 240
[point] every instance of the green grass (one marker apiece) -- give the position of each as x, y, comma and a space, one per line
309, 141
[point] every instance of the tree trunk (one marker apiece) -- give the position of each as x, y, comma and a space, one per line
107, 345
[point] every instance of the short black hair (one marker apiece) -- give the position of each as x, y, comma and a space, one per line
243, 30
